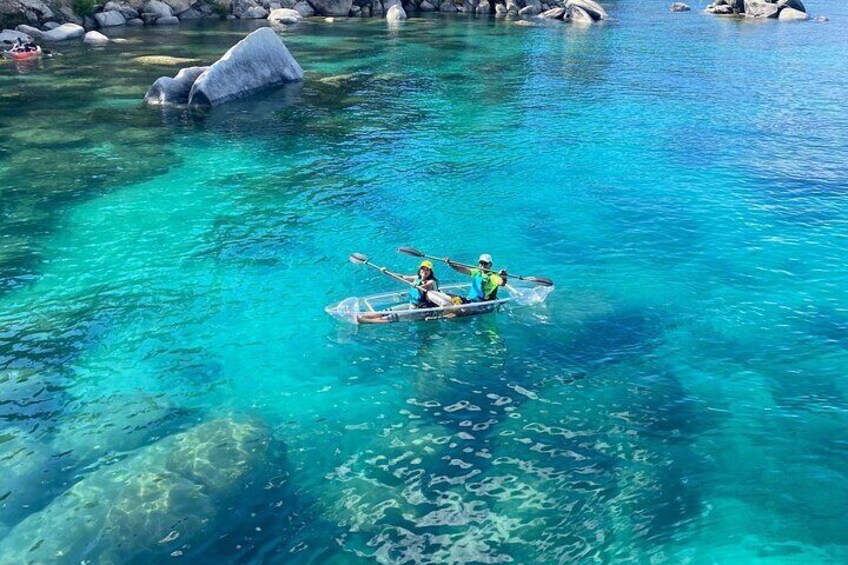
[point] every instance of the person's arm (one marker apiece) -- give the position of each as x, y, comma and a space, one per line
502, 277
458, 268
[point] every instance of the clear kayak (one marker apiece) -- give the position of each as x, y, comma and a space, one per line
394, 307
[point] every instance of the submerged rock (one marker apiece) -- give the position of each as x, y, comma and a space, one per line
258, 61
679, 7
133, 510
168, 21
167, 90
63, 32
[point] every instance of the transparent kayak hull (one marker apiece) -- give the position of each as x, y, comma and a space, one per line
392, 307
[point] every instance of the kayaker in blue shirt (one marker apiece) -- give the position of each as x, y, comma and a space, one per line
426, 279
484, 282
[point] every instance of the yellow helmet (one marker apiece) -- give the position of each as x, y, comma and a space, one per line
427, 264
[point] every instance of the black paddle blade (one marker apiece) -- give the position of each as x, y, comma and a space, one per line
410, 251
544, 281
358, 258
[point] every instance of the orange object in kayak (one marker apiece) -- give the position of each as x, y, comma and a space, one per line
23, 55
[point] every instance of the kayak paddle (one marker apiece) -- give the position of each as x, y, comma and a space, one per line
544, 281
438, 298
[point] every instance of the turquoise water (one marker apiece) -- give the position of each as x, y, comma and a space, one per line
681, 397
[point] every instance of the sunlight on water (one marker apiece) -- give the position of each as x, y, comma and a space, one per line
171, 387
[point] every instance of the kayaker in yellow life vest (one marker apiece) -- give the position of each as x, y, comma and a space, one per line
484, 282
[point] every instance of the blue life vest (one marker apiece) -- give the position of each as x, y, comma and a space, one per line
416, 297
475, 293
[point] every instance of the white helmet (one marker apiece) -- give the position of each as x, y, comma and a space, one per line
485, 258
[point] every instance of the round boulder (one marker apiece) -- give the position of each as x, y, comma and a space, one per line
112, 18
95, 38
792, 15
395, 14
285, 16
160, 9
63, 32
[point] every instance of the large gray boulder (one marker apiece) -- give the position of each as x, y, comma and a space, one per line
178, 6
792, 15
590, 7
95, 38
255, 13
160, 9
258, 61
679, 7
332, 7
11, 35
168, 21
720, 10
285, 16
578, 15
167, 90
304, 9
125, 9
395, 14
553, 14
63, 32
761, 9
794, 4
112, 18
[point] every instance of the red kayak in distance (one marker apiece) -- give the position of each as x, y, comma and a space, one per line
23, 55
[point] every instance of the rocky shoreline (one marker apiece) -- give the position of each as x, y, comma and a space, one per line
45, 15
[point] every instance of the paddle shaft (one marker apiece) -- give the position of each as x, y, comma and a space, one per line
447, 261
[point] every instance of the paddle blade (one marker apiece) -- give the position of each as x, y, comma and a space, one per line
544, 281
410, 251
358, 258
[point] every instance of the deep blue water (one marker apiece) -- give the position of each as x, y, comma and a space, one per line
172, 390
